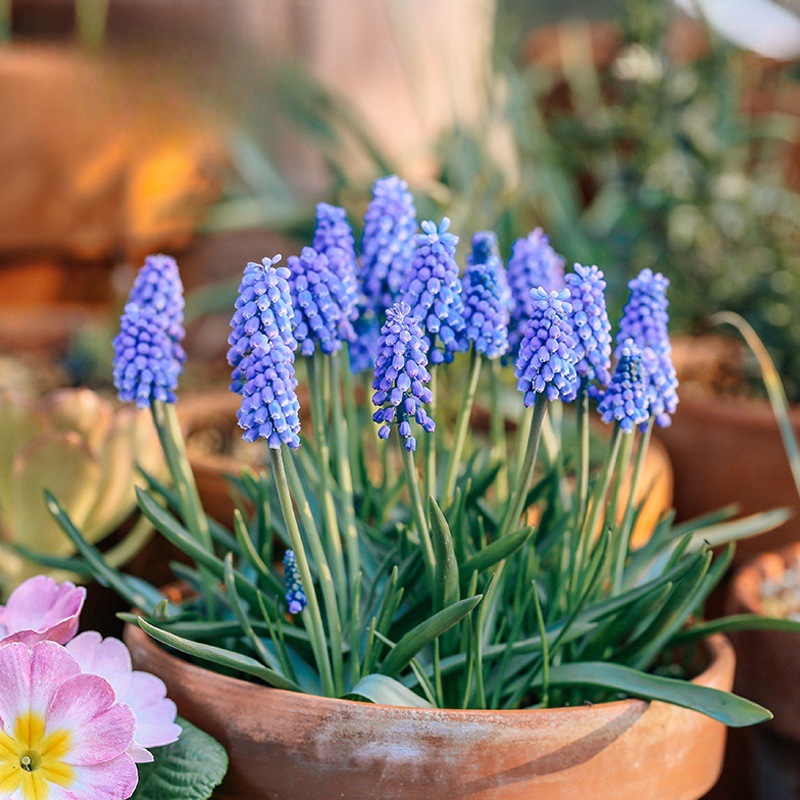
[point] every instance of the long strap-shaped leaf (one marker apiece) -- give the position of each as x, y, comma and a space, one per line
725, 707
387, 691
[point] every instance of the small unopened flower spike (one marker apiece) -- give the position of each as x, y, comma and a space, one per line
333, 238
148, 356
295, 596
625, 401
320, 305
645, 320
432, 290
590, 324
262, 356
546, 360
387, 242
485, 250
533, 263
400, 376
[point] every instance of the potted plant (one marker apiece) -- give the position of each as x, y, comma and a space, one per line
506, 636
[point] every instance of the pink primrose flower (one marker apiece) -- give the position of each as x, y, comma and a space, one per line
63, 735
144, 693
40, 610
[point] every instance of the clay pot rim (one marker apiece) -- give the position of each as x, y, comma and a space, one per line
746, 584
753, 412
722, 660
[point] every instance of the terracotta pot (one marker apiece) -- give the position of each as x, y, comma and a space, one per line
727, 451
769, 664
288, 746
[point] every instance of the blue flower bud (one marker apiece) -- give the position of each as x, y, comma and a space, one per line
485, 314
625, 401
546, 360
400, 376
590, 324
295, 596
262, 356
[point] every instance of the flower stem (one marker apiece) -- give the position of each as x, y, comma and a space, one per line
191, 508
351, 412
418, 510
316, 631
498, 433
462, 424
430, 443
516, 504
317, 388
584, 447
340, 432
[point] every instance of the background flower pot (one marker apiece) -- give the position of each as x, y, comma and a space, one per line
286, 746
727, 450
769, 665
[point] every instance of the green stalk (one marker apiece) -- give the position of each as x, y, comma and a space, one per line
584, 446
340, 431
329, 596
459, 437
430, 442
523, 434
170, 436
498, 433
418, 510
317, 389
627, 522
316, 631
351, 413
516, 504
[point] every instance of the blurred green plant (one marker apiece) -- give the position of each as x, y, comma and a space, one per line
88, 447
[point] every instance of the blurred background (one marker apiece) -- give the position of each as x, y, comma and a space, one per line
637, 133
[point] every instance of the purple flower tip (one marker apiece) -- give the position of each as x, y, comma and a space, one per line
296, 599
590, 324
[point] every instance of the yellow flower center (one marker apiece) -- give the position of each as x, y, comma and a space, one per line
32, 760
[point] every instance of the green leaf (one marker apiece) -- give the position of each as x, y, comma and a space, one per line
495, 552
736, 529
219, 656
426, 632
189, 769
725, 707
446, 585
737, 622
387, 691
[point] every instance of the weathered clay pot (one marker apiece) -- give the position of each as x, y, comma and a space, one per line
287, 746
769, 665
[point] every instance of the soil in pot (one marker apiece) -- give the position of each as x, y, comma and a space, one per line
286, 746
724, 445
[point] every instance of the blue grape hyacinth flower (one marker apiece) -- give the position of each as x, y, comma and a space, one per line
387, 242
485, 250
261, 353
645, 320
546, 360
589, 319
296, 599
148, 356
333, 238
485, 313
319, 301
625, 401
400, 376
533, 263
432, 290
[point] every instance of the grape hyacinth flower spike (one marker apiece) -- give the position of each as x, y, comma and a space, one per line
148, 356
262, 356
320, 303
645, 320
400, 377
333, 238
626, 399
296, 599
533, 263
432, 290
546, 360
486, 314
592, 329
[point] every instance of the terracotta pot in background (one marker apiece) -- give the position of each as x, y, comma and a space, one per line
727, 450
286, 746
769, 667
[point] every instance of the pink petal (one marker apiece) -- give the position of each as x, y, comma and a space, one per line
155, 714
108, 658
101, 728
111, 780
41, 609
30, 677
